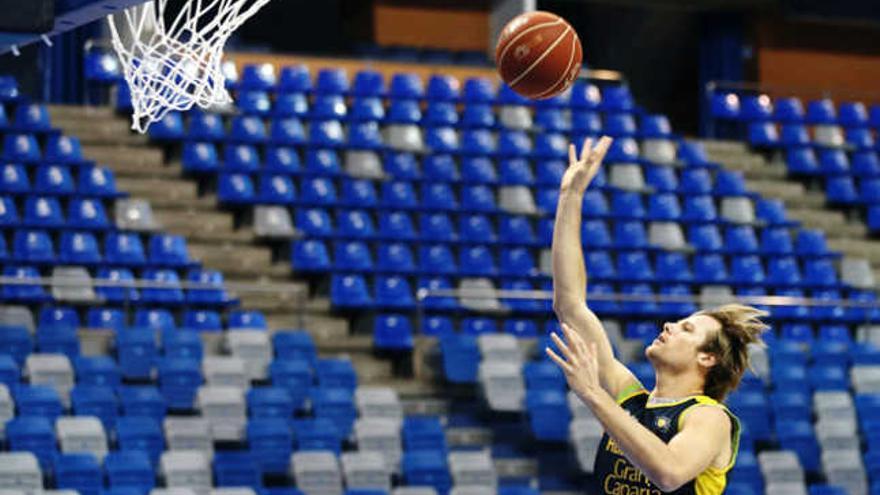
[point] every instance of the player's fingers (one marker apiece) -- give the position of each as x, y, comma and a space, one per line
563, 347
572, 338
558, 360
601, 148
572, 155
588, 146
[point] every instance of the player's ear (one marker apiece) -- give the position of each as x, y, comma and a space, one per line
706, 359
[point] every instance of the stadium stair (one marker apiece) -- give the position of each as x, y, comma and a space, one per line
807, 206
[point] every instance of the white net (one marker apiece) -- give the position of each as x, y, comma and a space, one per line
172, 53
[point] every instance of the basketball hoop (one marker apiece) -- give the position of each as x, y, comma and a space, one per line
171, 66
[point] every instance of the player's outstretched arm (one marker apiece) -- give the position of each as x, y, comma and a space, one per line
705, 430
569, 272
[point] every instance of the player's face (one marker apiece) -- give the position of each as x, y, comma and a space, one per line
678, 343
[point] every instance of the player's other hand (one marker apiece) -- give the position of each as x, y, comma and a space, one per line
581, 170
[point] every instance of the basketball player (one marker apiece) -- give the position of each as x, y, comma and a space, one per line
677, 438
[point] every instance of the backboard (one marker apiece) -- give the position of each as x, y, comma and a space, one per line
69, 14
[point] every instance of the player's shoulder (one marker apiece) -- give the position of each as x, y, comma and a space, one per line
706, 414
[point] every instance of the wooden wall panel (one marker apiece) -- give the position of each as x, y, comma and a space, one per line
451, 25
809, 73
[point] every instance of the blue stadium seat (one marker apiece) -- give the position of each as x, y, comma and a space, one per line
695, 181
270, 441
404, 112
478, 142
249, 319
318, 433
78, 471
477, 260
406, 86
860, 139
869, 191
551, 120
634, 266
24, 292
517, 261
820, 272
514, 144
355, 224
740, 239
87, 213
620, 125
436, 259
136, 352
95, 400
476, 228
443, 88
318, 191
42, 212
441, 168
367, 109
783, 271
624, 150
514, 229
434, 301
394, 291
788, 110
201, 321
595, 234
438, 196
661, 178
205, 127
10, 374
178, 380
725, 105
37, 401
365, 136
168, 250
236, 469
169, 128
235, 189
599, 265
129, 469
293, 373
478, 90
79, 248
113, 292
833, 162
672, 266
549, 414
811, 242
478, 170
97, 181
763, 135
276, 189
328, 107
516, 172
33, 246
106, 318
200, 157
14, 179
170, 293
287, 131
16, 342
747, 270
8, 212
772, 212
53, 180
240, 158
122, 248
254, 103
828, 376
440, 114
213, 278
617, 99
627, 204
798, 436
397, 225
21, 148
794, 135
294, 79
630, 234
821, 112
258, 77
182, 344
331, 81
423, 432
350, 291
310, 255
337, 405
141, 433
395, 258
853, 114
756, 107
323, 162
393, 332
645, 305
710, 268
32, 117
477, 116
584, 95
699, 209
282, 160
678, 308
315, 222
776, 241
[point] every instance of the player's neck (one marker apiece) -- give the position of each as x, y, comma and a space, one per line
676, 386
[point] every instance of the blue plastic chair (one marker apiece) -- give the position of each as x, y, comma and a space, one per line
821, 112
33, 246
287, 131
42, 212
129, 469
328, 107
331, 81
87, 213
168, 250
394, 291
199, 157
516, 230
630, 234
79, 248
350, 291
443, 88
38, 402
710, 268
205, 127
406, 86
673, 267
14, 179
397, 225
95, 400
477, 261
141, 433
477, 116
437, 259
724, 105
106, 318
240, 158
270, 442
97, 181
294, 79
634, 265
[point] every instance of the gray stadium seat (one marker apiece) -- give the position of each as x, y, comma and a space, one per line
365, 471
627, 176
667, 235
515, 117
17, 316
232, 491
20, 471
781, 466
837, 434
81, 434
7, 409
660, 151
857, 272
72, 283
134, 214
188, 433
378, 402
406, 137
473, 490
253, 348
364, 164
517, 200
186, 469
499, 347
833, 404
715, 295
225, 410
585, 434
828, 135
481, 286
53, 370
225, 370
273, 222
738, 209
502, 385
380, 435
786, 488
865, 378
414, 490
845, 468
869, 333
472, 468
317, 472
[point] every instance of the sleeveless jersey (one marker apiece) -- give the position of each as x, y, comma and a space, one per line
615, 475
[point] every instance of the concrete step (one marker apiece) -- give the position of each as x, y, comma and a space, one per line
834, 223
126, 157
81, 112
99, 132
158, 189
232, 254
321, 327
857, 248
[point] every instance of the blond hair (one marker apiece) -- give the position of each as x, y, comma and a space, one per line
740, 326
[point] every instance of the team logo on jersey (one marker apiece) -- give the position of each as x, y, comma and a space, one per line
662, 423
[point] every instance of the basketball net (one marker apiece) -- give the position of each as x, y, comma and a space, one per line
173, 66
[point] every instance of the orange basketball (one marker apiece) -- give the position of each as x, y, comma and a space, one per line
538, 54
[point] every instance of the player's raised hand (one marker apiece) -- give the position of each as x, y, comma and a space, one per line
581, 170
579, 362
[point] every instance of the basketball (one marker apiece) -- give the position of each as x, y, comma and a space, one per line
538, 54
